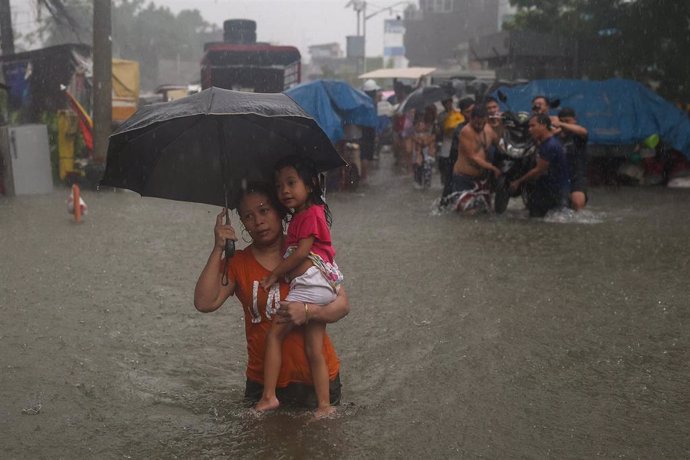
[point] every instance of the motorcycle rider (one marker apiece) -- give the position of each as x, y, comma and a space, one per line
552, 184
542, 104
574, 140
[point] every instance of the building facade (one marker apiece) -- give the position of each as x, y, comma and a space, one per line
437, 31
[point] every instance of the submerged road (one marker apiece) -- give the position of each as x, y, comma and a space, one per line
496, 337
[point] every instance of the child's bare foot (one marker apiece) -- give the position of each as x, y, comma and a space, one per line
324, 412
266, 404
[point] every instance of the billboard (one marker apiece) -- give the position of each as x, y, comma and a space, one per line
393, 43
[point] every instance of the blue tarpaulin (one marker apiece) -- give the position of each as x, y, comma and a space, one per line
614, 111
334, 102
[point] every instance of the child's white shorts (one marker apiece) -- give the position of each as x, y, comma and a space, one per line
311, 287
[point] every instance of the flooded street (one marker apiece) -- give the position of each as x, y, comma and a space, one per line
496, 337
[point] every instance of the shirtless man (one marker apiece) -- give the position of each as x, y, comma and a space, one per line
475, 139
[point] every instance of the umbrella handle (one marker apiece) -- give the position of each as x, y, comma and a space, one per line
229, 252
229, 244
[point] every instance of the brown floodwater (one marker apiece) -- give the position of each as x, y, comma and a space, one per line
494, 337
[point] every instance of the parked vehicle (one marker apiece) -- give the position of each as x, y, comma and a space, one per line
240, 63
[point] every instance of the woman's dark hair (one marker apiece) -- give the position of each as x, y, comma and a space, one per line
306, 170
269, 191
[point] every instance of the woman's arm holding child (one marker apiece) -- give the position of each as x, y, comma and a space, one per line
290, 263
296, 314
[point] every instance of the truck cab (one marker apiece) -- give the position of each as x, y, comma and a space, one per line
240, 63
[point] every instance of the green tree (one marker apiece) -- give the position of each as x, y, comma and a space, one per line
141, 32
645, 40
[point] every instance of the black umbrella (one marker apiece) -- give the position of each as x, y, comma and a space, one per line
204, 147
201, 148
424, 96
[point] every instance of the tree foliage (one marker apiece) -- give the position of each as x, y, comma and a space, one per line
141, 32
645, 40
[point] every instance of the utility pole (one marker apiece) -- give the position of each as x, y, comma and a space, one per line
6, 34
102, 78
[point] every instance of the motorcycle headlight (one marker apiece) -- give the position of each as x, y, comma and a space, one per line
514, 151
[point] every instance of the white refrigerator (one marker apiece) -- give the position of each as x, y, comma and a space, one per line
25, 160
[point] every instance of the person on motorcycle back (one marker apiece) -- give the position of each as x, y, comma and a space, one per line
541, 104
469, 171
552, 179
494, 111
574, 139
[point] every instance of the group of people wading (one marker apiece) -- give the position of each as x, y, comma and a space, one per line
469, 136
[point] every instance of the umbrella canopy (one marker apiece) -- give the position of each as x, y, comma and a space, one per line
424, 96
334, 102
202, 148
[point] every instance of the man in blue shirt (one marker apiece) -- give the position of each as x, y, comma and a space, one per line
552, 184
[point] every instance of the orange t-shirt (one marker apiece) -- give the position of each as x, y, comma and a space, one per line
246, 272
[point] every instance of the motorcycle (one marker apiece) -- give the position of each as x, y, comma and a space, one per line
515, 156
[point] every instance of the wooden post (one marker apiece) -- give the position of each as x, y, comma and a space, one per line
102, 78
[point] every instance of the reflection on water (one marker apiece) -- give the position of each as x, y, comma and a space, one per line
488, 336
516, 210
568, 216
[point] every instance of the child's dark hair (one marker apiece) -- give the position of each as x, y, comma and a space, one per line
306, 170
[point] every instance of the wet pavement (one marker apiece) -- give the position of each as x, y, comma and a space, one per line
494, 337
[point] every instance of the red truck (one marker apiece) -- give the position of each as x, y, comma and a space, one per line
240, 63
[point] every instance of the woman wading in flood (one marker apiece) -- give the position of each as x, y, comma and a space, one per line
262, 216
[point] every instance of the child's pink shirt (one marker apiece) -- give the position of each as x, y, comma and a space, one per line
312, 222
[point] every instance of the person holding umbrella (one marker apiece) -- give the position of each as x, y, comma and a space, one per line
206, 148
262, 216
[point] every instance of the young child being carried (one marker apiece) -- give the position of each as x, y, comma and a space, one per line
314, 276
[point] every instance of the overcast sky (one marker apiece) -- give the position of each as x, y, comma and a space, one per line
289, 22
295, 22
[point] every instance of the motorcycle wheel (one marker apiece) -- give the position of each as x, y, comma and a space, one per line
501, 196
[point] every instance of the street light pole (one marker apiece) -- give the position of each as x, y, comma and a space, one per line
366, 18
360, 7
